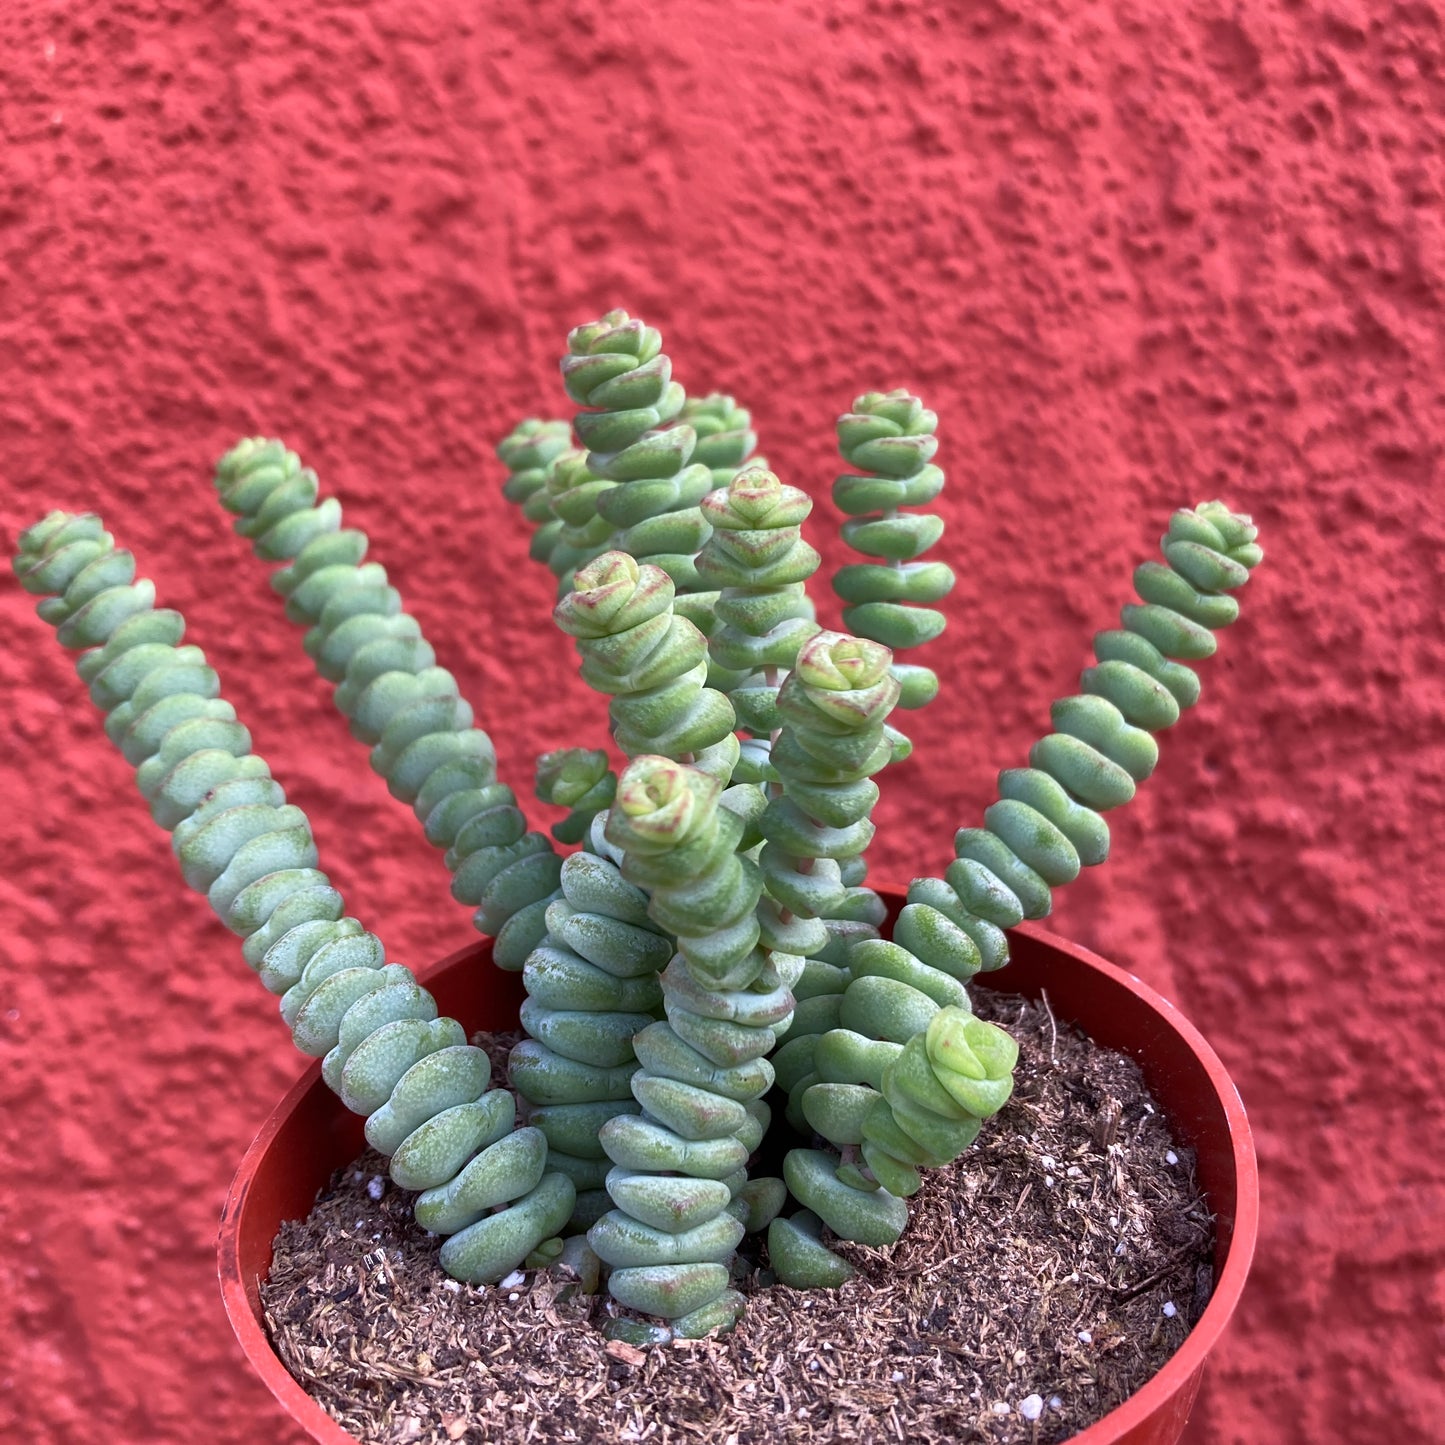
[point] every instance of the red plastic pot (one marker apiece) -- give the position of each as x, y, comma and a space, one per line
310, 1134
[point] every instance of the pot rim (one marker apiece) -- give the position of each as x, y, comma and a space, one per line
242, 1302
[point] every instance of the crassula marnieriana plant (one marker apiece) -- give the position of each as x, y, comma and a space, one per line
424, 1089
889, 437
527, 455
399, 702
707, 968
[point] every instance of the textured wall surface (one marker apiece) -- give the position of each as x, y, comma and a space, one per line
1136, 253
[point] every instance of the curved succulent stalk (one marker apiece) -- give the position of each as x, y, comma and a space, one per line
832, 708
385, 1051
572, 492
890, 434
578, 779
1047, 824
905, 1028
398, 701
725, 436
527, 453
758, 560
617, 369
680, 1169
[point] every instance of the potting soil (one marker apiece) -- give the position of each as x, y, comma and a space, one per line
1040, 1282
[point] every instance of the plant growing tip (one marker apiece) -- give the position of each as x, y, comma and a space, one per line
656, 800
578, 779
835, 662
707, 969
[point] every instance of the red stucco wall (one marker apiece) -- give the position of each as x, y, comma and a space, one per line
1135, 252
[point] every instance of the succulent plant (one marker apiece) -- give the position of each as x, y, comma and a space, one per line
423, 1087
707, 968
889, 437
404, 707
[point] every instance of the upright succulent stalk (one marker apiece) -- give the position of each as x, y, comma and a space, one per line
385, 1051
527, 453
616, 368
593, 980
725, 436
578, 779
757, 557
834, 738
549, 477
398, 701
680, 1168
905, 1030
572, 492
832, 711
890, 435
651, 662
592, 987
758, 560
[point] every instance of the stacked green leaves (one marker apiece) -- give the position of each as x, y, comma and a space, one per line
680, 1167
834, 738
726, 440
651, 662
580, 780
617, 370
385, 1051
399, 702
832, 710
572, 494
759, 563
592, 987
593, 981
528, 453
889, 439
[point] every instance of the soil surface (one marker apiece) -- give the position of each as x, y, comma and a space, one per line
1038, 1284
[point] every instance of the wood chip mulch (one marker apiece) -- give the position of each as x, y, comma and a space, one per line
1038, 1285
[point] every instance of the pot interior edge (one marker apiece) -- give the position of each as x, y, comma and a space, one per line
1182, 1072
1109, 1014
312, 1128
